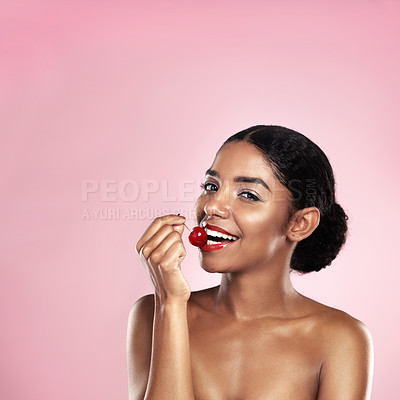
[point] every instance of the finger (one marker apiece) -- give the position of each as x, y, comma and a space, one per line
173, 256
170, 269
156, 225
179, 228
163, 265
154, 242
156, 252
150, 259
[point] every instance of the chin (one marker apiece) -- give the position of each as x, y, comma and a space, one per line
213, 266
212, 269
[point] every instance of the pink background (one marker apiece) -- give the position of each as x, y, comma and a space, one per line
145, 92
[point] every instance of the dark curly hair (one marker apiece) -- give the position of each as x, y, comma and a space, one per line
303, 168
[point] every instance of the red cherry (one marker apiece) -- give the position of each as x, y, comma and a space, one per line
198, 237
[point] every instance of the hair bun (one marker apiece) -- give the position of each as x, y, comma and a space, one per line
330, 235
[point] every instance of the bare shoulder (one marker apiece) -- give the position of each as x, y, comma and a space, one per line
140, 322
347, 335
138, 345
143, 309
339, 328
346, 349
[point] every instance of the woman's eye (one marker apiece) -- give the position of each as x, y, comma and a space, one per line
212, 187
249, 196
209, 187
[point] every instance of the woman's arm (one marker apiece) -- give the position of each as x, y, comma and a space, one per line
158, 349
347, 370
138, 346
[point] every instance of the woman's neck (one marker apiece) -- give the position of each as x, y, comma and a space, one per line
256, 294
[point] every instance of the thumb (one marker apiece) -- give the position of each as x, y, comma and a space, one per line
179, 228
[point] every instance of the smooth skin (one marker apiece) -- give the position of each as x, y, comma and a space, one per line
252, 337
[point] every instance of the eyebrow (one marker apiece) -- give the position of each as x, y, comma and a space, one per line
248, 179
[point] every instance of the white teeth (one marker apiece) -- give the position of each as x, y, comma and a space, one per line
219, 234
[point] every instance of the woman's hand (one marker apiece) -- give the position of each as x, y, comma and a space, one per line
161, 251
159, 365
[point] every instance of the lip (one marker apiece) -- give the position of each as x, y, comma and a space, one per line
218, 246
212, 247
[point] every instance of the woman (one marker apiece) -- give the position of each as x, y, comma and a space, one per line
271, 192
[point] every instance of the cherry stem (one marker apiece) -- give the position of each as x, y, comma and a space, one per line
187, 227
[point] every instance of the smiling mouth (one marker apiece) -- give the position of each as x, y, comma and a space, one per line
216, 237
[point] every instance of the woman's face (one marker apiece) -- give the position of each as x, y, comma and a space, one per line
243, 197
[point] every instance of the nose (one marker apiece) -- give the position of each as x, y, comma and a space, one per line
218, 205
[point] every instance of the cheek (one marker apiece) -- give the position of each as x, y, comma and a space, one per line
263, 227
263, 240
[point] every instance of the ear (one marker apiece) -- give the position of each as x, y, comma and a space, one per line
303, 223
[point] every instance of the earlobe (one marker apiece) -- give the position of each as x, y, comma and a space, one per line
303, 223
